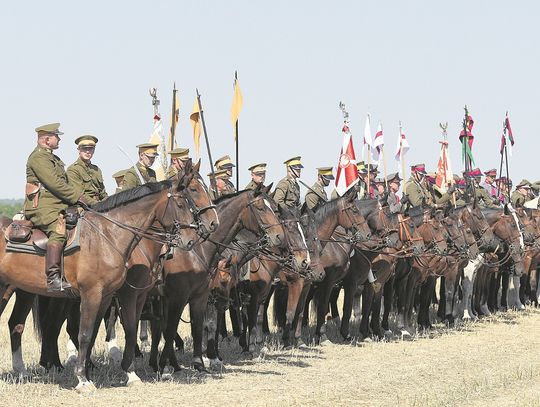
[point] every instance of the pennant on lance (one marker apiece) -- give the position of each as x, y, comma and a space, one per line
444, 174
466, 139
378, 143
160, 165
507, 137
347, 172
401, 149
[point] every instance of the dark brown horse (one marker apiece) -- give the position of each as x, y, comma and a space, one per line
109, 233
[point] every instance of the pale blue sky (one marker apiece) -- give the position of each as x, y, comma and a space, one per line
89, 65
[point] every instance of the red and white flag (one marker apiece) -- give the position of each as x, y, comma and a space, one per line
507, 136
401, 149
347, 172
444, 168
378, 144
157, 137
367, 134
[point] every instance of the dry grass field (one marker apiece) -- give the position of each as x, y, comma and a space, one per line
492, 362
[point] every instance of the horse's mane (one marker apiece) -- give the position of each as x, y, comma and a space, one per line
133, 194
324, 209
416, 211
228, 196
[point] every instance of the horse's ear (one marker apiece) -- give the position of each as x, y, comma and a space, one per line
506, 210
303, 209
351, 195
189, 166
181, 177
197, 166
258, 190
268, 188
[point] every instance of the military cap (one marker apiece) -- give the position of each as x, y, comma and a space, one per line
224, 162
431, 178
49, 128
150, 149
258, 168
524, 184
379, 180
460, 183
475, 172
491, 173
503, 180
86, 140
219, 174
179, 152
294, 162
535, 185
394, 177
421, 168
325, 172
361, 167
119, 174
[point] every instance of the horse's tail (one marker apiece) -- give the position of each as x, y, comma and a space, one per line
6, 292
39, 309
280, 305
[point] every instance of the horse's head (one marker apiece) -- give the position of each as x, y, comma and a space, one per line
259, 217
528, 226
458, 235
224, 279
386, 228
434, 234
350, 217
309, 226
506, 229
296, 244
473, 218
201, 205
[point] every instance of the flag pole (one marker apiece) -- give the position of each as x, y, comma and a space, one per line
506, 154
502, 157
401, 150
213, 178
173, 119
384, 166
236, 142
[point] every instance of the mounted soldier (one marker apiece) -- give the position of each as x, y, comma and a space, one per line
179, 158
221, 177
142, 173
489, 183
317, 194
48, 194
83, 174
480, 194
225, 163
258, 176
522, 193
457, 189
415, 188
502, 185
287, 193
394, 183
118, 178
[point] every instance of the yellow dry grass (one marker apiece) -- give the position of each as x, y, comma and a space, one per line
493, 362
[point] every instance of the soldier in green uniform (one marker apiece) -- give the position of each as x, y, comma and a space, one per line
394, 183
83, 174
521, 194
48, 194
258, 176
482, 196
415, 188
118, 178
225, 163
287, 193
502, 185
456, 189
317, 194
222, 189
179, 158
141, 173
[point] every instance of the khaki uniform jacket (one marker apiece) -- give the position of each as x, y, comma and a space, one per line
518, 199
252, 185
314, 199
171, 172
46, 170
417, 193
132, 178
393, 203
483, 197
88, 178
287, 193
229, 188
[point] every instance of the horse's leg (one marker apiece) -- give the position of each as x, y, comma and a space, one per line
21, 309
469, 273
233, 314
297, 321
350, 287
449, 291
294, 292
53, 314
505, 280
212, 325
426, 291
280, 305
174, 311
367, 299
388, 294
266, 326
441, 309
334, 295
324, 292
197, 309
132, 303
309, 297
517, 292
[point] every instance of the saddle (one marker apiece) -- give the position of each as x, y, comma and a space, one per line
23, 237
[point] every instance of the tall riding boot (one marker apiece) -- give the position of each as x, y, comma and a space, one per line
53, 268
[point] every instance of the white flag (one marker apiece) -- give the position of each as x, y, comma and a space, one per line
157, 138
367, 133
401, 149
378, 143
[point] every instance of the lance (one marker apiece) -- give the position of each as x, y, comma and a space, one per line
213, 178
444, 146
312, 190
384, 164
465, 144
502, 157
131, 163
506, 153
236, 141
401, 150
368, 183
173, 119
162, 147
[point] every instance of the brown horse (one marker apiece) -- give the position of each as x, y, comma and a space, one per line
112, 228
187, 275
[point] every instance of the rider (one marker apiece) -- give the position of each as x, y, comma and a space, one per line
317, 194
481, 194
287, 193
502, 185
394, 183
522, 193
225, 163
179, 158
221, 177
258, 176
415, 188
48, 194
83, 174
141, 173
489, 183
119, 177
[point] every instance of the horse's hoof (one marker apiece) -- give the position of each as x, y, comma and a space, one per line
199, 367
347, 339
145, 346
388, 333
167, 373
264, 350
520, 306
405, 335
326, 342
86, 387
216, 365
133, 380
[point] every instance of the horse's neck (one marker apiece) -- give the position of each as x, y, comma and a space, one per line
327, 225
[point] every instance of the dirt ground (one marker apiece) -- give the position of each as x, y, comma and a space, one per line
492, 362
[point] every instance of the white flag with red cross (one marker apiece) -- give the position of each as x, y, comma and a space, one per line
347, 171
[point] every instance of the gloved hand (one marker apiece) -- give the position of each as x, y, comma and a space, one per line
85, 201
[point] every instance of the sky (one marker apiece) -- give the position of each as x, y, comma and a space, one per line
89, 65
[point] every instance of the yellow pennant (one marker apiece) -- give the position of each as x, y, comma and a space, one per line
237, 103
194, 117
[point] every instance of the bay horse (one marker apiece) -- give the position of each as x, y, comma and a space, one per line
109, 232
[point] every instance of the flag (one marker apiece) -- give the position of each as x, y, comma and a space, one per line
507, 136
174, 120
160, 165
367, 134
444, 168
347, 171
401, 149
237, 103
467, 132
194, 117
378, 143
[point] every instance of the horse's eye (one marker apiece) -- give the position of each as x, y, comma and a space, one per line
193, 189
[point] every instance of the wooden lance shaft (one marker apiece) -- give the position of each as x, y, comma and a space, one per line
201, 113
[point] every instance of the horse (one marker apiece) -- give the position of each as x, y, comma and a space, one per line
112, 228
